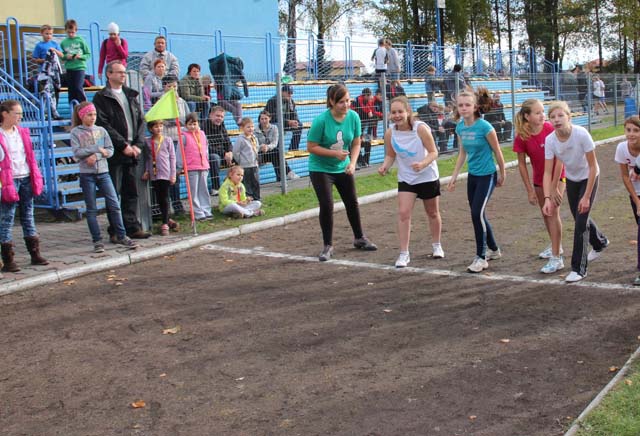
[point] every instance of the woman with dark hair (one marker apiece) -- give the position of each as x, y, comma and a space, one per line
333, 142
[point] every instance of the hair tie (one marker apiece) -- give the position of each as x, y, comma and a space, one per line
85, 110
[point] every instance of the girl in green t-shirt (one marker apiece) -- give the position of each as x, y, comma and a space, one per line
333, 142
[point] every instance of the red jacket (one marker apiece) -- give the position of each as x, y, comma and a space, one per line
9, 193
363, 105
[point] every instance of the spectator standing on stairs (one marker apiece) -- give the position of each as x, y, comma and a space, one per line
76, 53
21, 182
113, 48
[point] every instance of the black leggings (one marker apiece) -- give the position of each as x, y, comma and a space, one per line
345, 184
161, 187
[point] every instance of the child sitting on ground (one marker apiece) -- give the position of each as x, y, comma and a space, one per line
245, 153
160, 168
92, 146
233, 198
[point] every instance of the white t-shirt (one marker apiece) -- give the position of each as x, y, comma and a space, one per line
572, 152
598, 88
409, 149
15, 147
623, 156
380, 58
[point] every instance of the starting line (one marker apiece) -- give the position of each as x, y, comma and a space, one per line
431, 271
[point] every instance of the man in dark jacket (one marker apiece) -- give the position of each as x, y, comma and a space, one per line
120, 114
289, 113
220, 146
451, 80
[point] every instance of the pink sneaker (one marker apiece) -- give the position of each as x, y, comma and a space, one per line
164, 230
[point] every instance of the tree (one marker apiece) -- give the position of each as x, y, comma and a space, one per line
289, 20
325, 15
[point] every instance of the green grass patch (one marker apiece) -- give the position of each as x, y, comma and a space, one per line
607, 132
619, 412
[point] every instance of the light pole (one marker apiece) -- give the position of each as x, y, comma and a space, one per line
440, 5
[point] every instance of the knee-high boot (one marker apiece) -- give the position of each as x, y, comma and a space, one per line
33, 246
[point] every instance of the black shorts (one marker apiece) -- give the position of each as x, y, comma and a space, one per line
424, 191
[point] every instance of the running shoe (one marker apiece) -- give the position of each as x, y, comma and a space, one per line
326, 254
403, 260
547, 253
438, 252
479, 264
574, 277
553, 265
493, 255
595, 255
127, 242
364, 244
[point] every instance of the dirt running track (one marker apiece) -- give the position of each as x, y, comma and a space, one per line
288, 346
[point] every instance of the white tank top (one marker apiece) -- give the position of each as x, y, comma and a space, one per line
409, 149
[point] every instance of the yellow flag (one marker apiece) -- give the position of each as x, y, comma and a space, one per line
165, 109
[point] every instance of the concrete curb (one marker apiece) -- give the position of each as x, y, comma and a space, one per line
197, 241
573, 430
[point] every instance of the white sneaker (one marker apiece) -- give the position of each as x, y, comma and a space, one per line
547, 253
555, 264
574, 277
403, 260
292, 176
594, 255
438, 252
478, 265
493, 255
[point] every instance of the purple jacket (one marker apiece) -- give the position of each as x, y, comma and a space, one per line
165, 154
9, 193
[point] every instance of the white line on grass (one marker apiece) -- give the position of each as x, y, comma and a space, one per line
432, 271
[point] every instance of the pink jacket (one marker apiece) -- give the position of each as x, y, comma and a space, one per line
197, 157
9, 193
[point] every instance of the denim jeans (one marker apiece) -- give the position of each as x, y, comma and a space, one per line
8, 211
89, 183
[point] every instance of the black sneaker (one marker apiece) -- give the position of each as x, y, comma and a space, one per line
98, 247
326, 254
364, 244
127, 242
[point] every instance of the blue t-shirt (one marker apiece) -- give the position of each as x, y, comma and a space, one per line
41, 49
474, 141
329, 133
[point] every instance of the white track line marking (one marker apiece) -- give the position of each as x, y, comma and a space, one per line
431, 271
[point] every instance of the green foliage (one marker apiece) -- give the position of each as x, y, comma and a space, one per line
619, 412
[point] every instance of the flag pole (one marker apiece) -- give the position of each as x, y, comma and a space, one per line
166, 109
186, 179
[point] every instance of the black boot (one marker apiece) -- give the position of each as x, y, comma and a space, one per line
7, 257
33, 246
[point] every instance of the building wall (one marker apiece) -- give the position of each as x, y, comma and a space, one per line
191, 27
34, 12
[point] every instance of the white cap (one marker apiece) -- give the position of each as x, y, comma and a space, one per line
113, 28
